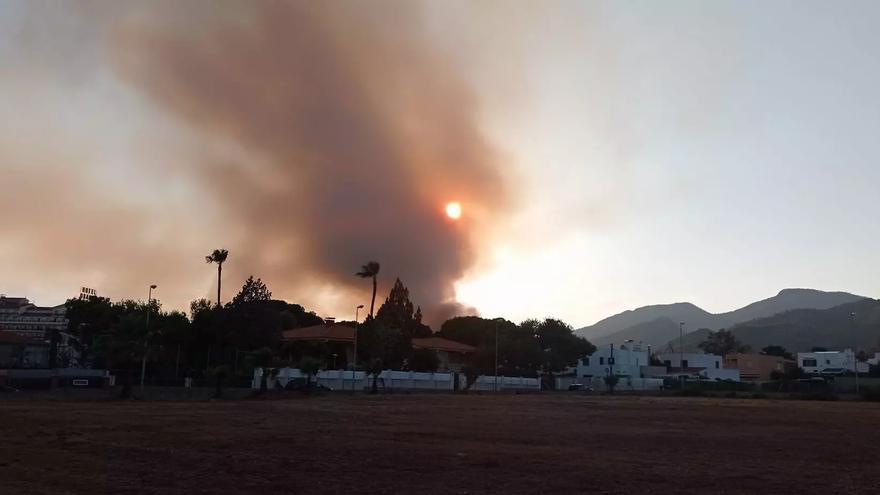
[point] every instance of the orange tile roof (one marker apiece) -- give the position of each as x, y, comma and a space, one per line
338, 333
441, 344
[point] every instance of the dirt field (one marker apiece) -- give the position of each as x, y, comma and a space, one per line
423, 444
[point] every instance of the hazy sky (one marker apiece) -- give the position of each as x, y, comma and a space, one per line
607, 155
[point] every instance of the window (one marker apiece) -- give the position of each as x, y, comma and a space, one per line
684, 363
716, 365
667, 363
601, 360
827, 361
585, 361
809, 363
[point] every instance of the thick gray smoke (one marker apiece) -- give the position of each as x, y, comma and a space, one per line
351, 134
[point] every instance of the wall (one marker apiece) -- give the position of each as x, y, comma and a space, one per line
626, 362
341, 380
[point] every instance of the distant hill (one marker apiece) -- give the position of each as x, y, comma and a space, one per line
803, 329
657, 325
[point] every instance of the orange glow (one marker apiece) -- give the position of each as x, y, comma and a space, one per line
453, 210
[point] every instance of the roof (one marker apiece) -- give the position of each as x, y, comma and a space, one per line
322, 332
441, 344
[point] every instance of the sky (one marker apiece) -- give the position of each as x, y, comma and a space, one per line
606, 155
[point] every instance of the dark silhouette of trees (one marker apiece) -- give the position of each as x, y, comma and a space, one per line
370, 270
722, 343
252, 291
533, 347
398, 312
218, 256
777, 350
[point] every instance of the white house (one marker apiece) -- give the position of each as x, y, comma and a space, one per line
830, 362
708, 366
623, 360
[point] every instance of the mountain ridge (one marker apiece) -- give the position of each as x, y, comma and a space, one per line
651, 324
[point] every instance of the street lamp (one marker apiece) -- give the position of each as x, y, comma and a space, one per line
355, 358
147, 335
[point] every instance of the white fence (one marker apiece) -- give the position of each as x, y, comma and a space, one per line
360, 380
501, 383
624, 384
396, 380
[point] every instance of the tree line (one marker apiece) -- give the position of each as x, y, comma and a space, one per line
228, 340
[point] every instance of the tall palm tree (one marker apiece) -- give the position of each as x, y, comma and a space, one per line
218, 256
370, 270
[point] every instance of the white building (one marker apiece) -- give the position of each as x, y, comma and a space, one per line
22, 317
707, 366
830, 362
624, 360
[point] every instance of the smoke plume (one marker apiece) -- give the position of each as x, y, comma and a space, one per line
343, 134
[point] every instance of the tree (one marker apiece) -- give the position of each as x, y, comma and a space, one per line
722, 343
425, 360
310, 367
218, 256
220, 374
561, 347
777, 350
611, 382
262, 358
370, 270
398, 312
252, 291
86, 319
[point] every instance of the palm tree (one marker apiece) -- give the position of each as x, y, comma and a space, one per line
370, 270
218, 256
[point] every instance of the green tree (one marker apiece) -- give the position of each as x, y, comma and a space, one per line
722, 343
370, 270
218, 256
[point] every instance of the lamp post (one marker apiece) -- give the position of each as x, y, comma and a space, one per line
355, 357
147, 336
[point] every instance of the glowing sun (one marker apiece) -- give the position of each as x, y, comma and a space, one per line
453, 210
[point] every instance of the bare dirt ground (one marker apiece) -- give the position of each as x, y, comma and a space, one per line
425, 444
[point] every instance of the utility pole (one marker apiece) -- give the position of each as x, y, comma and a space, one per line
147, 335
